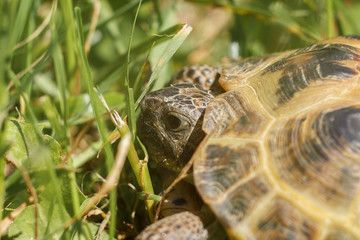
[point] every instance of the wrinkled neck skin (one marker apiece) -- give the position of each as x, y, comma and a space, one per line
170, 125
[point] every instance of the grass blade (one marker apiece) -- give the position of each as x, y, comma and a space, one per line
330, 18
88, 79
130, 92
139, 168
169, 51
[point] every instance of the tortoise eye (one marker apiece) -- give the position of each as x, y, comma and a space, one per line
175, 122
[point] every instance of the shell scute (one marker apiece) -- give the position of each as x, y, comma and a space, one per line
313, 161
237, 112
344, 125
241, 201
327, 62
290, 81
328, 52
221, 170
250, 124
237, 73
281, 220
219, 113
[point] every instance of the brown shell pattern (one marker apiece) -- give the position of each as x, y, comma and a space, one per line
282, 156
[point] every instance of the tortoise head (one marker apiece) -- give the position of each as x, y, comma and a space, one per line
170, 123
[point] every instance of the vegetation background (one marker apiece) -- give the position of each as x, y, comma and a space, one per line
57, 170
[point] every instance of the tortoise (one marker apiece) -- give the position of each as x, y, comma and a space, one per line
277, 154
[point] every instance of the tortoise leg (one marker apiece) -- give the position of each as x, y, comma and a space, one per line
184, 225
184, 216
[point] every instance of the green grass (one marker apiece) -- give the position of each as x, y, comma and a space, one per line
57, 165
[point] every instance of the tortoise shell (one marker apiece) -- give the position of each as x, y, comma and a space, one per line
280, 157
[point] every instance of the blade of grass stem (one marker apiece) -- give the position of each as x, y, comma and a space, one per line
4, 95
19, 25
158, 38
147, 196
158, 12
118, 13
113, 73
53, 117
139, 168
60, 74
2, 187
40, 29
330, 18
130, 92
26, 78
339, 6
169, 51
132, 117
70, 59
55, 184
111, 180
86, 76
145, 67
30, 112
